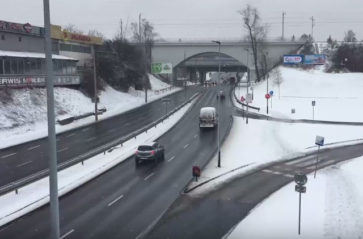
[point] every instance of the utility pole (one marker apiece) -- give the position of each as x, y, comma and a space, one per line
52, 144
283, 25
143, 41
218, 100
312, 26
95, 82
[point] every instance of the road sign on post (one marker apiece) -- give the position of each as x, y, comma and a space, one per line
249, 98
271, 93
313, 103
267, 96
300, 180
196, 172
242, 99
319, 141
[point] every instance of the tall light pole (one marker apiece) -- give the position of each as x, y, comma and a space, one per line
248, 82
283, 26
95, 82
218, 100
52, 145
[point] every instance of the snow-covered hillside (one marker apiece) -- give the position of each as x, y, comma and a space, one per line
337, 96
24, 116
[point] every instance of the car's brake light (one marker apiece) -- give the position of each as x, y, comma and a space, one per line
153, 152
137, 152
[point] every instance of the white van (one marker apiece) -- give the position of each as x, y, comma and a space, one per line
208, 117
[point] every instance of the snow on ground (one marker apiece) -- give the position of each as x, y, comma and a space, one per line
338, 96
157, 84
36, 194
260, 142
24, 118
331, 208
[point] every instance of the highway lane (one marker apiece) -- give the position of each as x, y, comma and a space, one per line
126, 200
22, 160
215, 213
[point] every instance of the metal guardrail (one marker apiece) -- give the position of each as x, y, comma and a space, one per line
14, 186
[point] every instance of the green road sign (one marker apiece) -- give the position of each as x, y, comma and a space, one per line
161, 68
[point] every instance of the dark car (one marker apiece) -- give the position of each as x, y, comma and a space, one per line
149, 152
221, 94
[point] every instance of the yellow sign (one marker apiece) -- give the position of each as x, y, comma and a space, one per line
64, 35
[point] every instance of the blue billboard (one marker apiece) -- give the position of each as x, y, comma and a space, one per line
318, 59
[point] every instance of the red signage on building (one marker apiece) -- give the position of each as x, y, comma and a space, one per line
76, 37
19, 28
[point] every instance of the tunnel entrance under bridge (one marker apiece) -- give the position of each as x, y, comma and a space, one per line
196, 67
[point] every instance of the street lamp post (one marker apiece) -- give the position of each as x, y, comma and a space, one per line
52, 145
218, 100
95, 82
248, 82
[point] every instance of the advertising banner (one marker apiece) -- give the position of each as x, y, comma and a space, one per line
161, 68
315, 59
21, 81
293, 59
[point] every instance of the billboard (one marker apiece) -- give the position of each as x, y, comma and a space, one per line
293, 59
20, 81
161, 68
315, 59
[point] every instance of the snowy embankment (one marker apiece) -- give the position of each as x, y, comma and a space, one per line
35, 195
331, 208
24, 116
338, 97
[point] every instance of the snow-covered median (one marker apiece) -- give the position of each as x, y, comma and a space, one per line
23, 117
338, 97
37, 194
331, 208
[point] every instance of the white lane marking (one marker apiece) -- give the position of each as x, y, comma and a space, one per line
186, 146
90, 139
171, 158
61, 150
126, 124
33, 147
111, 130
114, 201
272, 172
7, 155
67, 234
296, 162
195, 136
321, 164
70, 135
23, 164
85, 129
288, 175
149, 176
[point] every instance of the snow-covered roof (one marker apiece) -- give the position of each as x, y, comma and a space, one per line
33, 55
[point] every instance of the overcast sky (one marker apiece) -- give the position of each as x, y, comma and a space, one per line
195, 19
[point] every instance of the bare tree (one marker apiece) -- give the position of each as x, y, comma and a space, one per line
72, 28
95, 33
122, 34
257, 33
277, 78
350, 36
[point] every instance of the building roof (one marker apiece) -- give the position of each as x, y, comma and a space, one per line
33, 55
